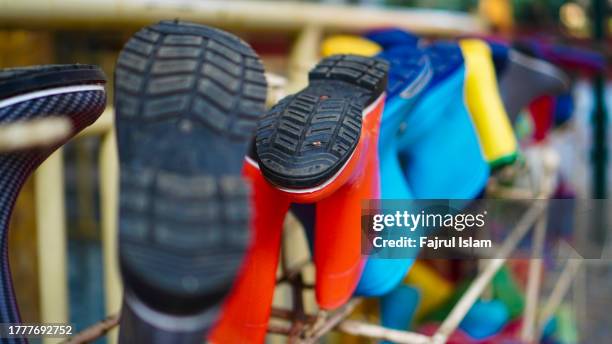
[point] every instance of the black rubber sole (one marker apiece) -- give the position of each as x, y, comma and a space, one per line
188, 99
307, 137
16, 81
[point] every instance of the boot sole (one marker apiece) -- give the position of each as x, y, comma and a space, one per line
188, 99
307, 137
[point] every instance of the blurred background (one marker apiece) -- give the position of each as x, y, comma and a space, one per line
67, 198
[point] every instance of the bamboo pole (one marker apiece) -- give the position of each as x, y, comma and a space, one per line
103, 125
33, 133
266, 15
304, 55
51, 234
108, 194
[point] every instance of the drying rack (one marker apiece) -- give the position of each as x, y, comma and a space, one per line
310, 22
303, 328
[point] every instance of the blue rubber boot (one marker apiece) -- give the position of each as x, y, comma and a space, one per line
399, 307
499, 52
485, 319
564, 109
441, 153
409, 76
389, 38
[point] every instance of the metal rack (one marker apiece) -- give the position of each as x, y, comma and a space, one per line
310, 22
305, 328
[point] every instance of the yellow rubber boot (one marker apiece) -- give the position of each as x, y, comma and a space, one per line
497, 139
435, 289
348, 44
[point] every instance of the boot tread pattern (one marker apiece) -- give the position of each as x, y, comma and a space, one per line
188, 98
306, 138
168, 71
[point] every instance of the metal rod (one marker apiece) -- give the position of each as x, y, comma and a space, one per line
108, 202
331, 322
277, 329
33, 133
291, 272
533, 281
287, 314
304, 55
561, 287
95, 331
51, 234
359, 328
102, 126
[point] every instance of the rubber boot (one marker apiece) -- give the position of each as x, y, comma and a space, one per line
485, 105
318, 146
528, 78
72, 93
187, 98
